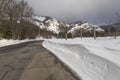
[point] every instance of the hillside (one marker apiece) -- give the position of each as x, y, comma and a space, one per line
55, 26
86, 27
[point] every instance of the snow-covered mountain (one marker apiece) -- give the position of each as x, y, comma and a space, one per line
47, 23
54, 26
86, 27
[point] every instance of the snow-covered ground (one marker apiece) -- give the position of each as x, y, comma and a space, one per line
90, 59
5, 42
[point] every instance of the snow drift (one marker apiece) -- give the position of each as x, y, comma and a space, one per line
90, 59
6, 42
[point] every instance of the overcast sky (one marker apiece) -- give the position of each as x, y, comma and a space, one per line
92, 11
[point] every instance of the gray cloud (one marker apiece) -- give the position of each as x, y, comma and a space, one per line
93, 11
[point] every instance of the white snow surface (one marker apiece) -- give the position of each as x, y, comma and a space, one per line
90, 59
5, 42
85, 26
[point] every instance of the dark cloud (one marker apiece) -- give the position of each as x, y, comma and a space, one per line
93, 11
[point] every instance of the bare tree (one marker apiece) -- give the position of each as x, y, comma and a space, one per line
23, 11
117, 25
65, 30
17, 12
81, 33
63, 27
94, 32
9, 12
2, 4
109, 32
72, 35
81, 29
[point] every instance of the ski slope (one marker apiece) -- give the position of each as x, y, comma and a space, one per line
88, 58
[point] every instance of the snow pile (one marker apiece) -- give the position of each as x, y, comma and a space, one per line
39, 38
5, 42
85, 26
90, 59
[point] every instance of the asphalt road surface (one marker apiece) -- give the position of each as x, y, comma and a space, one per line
30, 61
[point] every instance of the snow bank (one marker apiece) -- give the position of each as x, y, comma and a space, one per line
5, 42
90, 59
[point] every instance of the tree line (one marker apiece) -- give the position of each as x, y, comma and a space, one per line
13, 23
12, 20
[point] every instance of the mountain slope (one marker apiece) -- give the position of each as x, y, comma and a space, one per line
86, 27
47, 23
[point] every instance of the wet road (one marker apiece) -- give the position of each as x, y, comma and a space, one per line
31, 61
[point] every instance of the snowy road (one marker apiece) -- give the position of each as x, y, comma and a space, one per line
85, 63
